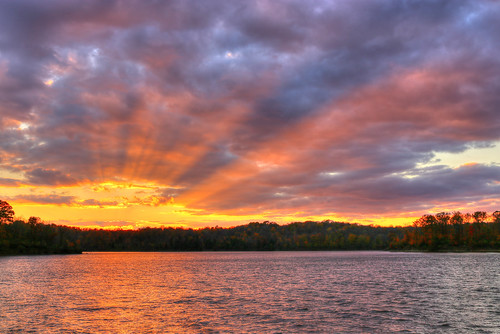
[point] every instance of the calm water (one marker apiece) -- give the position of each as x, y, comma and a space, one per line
261, 292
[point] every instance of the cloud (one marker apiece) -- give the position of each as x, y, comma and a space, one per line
48, 177
252, 107
7, 182
45, 199
151, 200
101, 204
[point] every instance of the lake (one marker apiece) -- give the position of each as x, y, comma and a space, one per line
251, 292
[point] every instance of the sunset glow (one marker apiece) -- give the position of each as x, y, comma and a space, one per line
127, 114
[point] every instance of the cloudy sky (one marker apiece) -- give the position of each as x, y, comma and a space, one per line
204, 113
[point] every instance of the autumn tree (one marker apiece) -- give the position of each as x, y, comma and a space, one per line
457, 221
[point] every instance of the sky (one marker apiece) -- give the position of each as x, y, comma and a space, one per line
127, 114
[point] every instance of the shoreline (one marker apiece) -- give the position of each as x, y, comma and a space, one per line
256, 251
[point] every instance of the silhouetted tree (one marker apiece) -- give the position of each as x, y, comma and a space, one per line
6, 211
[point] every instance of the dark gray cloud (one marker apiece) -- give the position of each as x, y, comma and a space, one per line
252, 106
422, 189
48, 177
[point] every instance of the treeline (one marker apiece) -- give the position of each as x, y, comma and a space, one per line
477, 231
35, 237
452, 231
266, 236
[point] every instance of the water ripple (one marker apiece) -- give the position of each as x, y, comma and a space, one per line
265, 292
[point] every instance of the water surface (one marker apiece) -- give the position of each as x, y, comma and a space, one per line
254, 292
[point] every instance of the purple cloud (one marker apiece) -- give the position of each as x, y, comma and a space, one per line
46, 199
317, 106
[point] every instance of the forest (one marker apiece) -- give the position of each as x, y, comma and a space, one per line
455, 231
441, 232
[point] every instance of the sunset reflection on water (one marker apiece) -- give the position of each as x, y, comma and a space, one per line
289, 292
